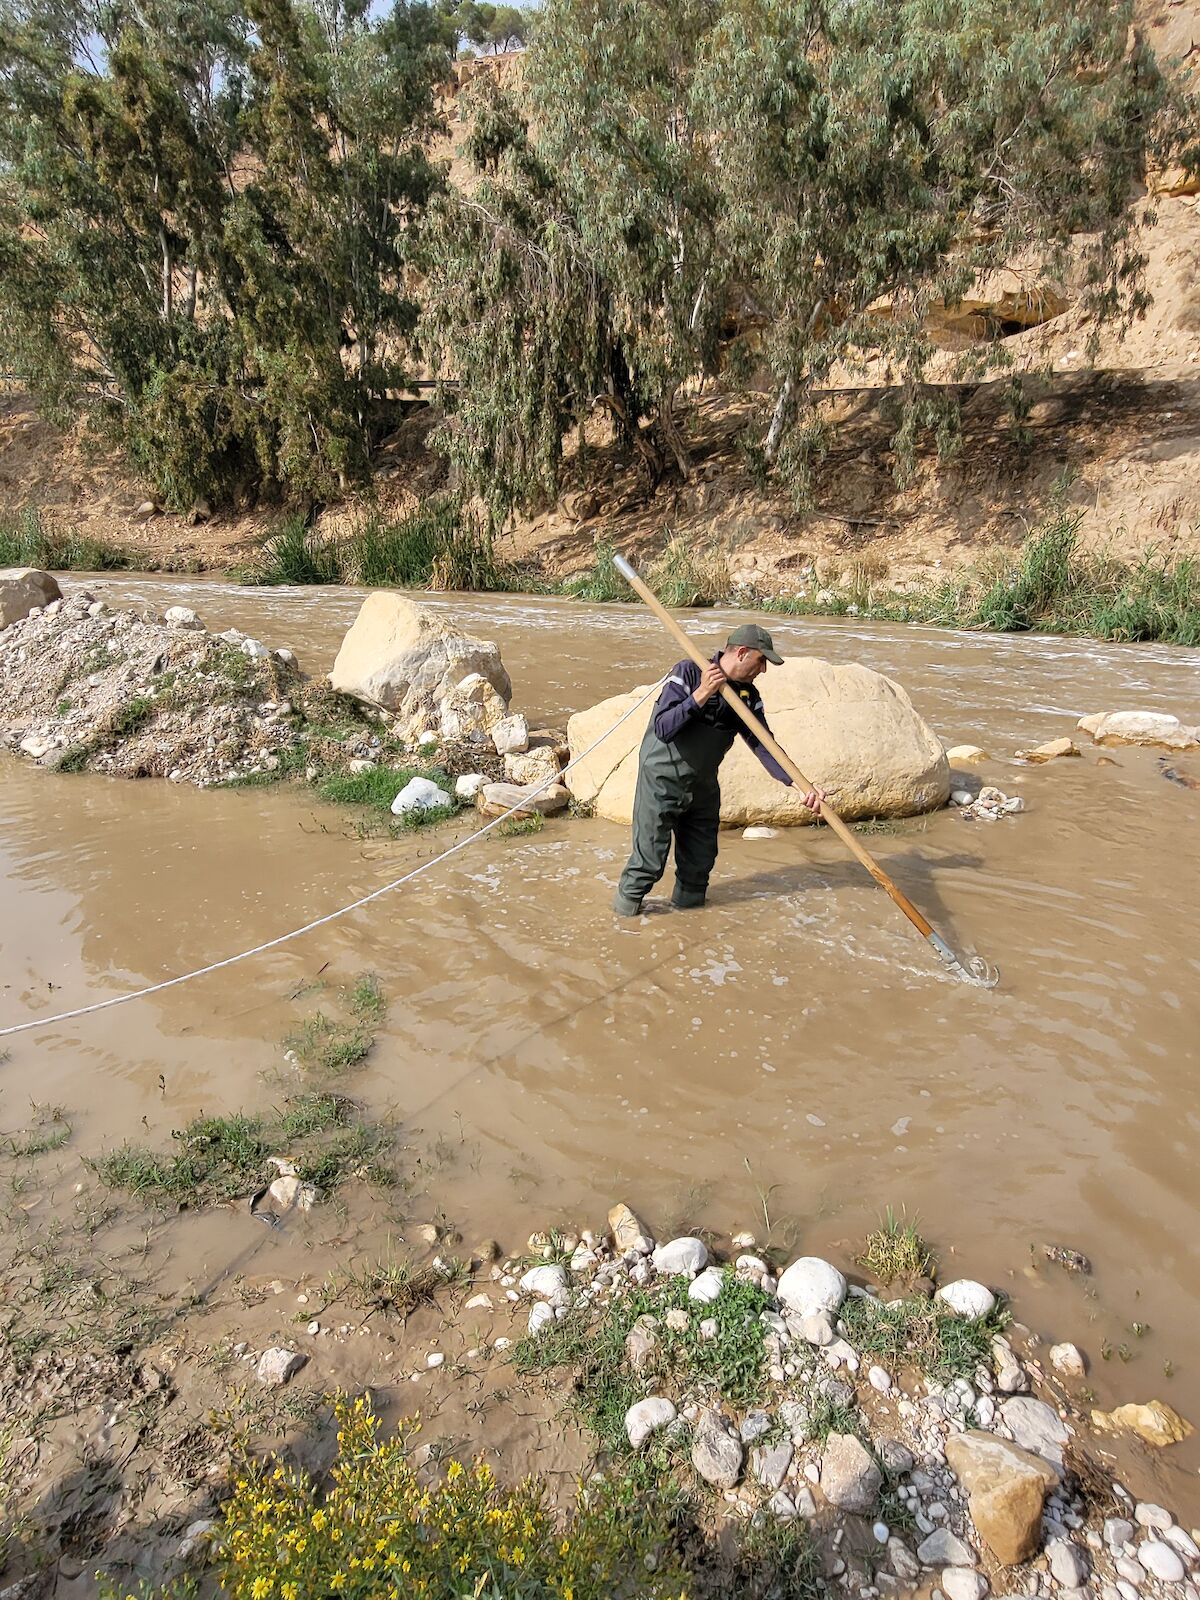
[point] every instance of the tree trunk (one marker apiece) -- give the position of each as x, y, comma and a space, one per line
779, 418
168, 276
673, 437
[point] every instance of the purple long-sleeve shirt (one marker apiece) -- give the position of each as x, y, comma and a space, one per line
676, 710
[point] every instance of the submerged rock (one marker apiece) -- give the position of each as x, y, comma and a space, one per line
861, 737
1069, 1360
1053, 750
1139, 727
967, 754
1155, 1422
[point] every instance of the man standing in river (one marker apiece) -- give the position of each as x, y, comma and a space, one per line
678, 794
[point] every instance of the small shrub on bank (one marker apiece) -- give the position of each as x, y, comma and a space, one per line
437, 546
683, 576
601, 581
294, 553
379, 1531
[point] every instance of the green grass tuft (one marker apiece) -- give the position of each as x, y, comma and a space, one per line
366, 999
218, 1158
896, 1250
325, 1044
332, 1045
518, 827
48, 1131
377, 787
314, 1113
126, 721
225, 1158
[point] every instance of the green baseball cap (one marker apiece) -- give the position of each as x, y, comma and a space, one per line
757, 639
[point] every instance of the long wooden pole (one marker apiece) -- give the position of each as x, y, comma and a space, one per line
924, 927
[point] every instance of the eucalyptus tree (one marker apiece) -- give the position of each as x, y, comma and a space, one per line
206, 214
761, 189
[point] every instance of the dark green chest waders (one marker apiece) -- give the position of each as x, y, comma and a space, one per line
677, 797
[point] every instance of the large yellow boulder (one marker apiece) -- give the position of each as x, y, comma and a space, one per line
849, 729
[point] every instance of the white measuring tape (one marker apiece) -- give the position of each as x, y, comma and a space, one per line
342, 911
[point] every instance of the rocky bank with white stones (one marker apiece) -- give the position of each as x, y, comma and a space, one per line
909, 1483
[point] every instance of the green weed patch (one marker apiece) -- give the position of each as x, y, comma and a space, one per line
225, 1158
923, 1334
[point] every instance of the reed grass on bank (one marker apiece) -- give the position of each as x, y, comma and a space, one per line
28, 540
436, 546
1048, 585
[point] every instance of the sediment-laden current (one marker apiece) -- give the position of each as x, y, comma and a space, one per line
790, 1056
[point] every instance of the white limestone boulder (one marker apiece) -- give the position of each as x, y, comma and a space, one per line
408, 659
471, 709
810, 1286
966, 1298
850, 729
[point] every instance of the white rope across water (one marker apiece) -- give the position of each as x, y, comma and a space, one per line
342, 911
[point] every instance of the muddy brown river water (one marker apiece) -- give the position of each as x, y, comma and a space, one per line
791, 1054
